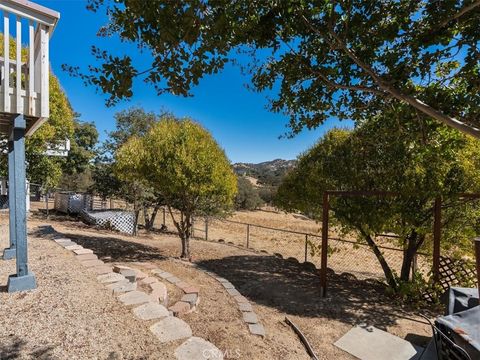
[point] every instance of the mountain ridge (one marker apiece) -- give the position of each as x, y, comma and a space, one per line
269, 173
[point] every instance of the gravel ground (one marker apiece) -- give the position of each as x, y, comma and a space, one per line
70, 315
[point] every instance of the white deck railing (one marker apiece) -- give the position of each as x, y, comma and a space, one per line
24, 77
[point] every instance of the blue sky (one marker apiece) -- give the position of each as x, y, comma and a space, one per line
236, 117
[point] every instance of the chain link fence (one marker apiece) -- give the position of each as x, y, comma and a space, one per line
345, 255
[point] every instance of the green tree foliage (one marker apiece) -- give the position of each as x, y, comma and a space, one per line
247, 196
105, 183
78, 165
396, 151
267, 193
180, 160
133, 122
325, 59
82, 148
42, 169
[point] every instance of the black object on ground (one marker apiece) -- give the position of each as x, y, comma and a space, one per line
303, 339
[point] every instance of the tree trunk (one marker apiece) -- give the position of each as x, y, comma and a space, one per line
185, 248
414, 241
184, 231
135, 224
391, 281
146, 218
149, 222
408, 254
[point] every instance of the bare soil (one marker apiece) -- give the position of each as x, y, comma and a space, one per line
345, 257
70, 315
276, 288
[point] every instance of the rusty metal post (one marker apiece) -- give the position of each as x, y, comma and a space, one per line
477, 260
248, 236
306, 247
437, 234
323, 270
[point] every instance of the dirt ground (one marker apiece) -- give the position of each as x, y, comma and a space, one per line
70, 315
358, 260
276, 288
355, 259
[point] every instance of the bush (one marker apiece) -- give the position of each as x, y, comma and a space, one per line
267, 194
247, 197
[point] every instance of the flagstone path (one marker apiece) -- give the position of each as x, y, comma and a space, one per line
146, 306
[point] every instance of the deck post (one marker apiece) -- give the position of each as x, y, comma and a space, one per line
324, 257
11, 251
23, 279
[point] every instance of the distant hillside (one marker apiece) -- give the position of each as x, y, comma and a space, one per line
268, 173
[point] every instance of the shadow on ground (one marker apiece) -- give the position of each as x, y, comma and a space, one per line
281, 284
111, 249
271, 281
16, 348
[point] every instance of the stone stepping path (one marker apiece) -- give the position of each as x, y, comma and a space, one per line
189, 300
171, 329
151, 311
196, 348
122, 281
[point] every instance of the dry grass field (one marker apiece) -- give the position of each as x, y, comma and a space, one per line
345, 257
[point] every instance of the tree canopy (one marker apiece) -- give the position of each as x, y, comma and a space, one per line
418, 160
129, 123
325, 59
134, 121
180, 160
82, 147
42, 169
248, 197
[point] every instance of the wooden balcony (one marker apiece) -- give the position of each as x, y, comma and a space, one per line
24, 76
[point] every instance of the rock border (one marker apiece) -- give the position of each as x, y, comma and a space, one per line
249, 316
122, 279
189, 300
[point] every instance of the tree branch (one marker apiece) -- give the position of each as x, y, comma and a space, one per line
417, 104
457, 15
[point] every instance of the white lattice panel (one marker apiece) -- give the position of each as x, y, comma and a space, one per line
122, 221
72, 203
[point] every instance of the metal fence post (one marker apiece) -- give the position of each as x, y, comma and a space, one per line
206, 228
306, 247
248, 236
